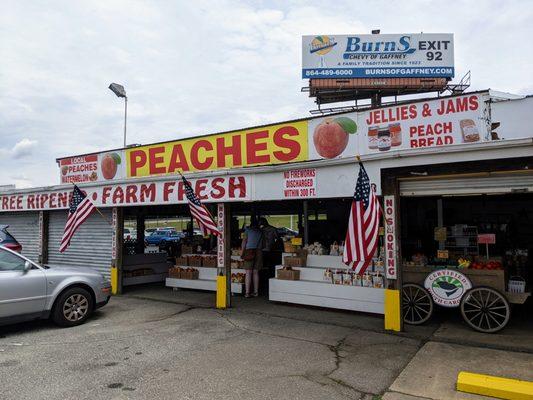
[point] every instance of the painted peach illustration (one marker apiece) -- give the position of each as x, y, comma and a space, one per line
332, 135
64, 169
109, 165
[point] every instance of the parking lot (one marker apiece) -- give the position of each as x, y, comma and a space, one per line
138, 348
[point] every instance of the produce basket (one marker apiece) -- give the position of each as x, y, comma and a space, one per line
209, 261
288, 247
194, 261
517, 284
180, 261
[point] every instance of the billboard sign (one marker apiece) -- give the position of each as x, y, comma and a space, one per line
378, 56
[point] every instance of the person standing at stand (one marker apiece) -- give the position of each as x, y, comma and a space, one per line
270, 248
252, 256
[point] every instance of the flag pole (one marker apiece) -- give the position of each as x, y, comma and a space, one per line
98, 211
102, 215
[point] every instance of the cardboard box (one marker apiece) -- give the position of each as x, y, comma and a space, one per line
288, 274
294, 261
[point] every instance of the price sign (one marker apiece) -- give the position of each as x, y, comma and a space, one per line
443, 254
486, 238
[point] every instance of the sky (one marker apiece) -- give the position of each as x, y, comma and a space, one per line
197, 67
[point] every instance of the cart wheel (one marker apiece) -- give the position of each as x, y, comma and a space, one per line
417, 304
485, 309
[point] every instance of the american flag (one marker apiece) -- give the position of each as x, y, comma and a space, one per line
363, 226
199, 212
80, 207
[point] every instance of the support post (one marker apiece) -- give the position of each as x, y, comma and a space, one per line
43, 237
223, 297
117, 239
306, 223
141, 227
440, 221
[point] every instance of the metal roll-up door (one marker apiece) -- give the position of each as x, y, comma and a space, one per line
90, 246
24, 226
487, 184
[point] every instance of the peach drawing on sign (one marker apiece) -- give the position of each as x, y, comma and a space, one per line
331, 136
64, 169
109, 165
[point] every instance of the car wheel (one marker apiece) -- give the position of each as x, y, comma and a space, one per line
73, 307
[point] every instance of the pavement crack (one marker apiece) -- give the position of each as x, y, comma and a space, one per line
259, 332
171, 315
336, 352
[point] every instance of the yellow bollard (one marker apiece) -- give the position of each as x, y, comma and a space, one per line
392, 310
114, 280
221, 292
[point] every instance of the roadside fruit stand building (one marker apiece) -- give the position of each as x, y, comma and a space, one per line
449, 170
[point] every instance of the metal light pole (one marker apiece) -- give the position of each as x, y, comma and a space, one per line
121, 92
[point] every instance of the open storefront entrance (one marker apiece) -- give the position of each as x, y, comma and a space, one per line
154, 237
478, 227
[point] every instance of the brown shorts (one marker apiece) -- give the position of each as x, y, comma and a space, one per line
255, 264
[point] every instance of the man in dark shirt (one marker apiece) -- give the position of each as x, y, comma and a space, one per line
271, 254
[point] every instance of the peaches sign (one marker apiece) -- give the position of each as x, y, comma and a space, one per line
92, 167
454, 120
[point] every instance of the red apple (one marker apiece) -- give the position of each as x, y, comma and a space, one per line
109, 166
330, 139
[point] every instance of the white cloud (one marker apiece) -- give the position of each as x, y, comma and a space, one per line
23, 148
198, 67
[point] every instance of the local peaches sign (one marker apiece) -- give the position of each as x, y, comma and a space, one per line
92, 167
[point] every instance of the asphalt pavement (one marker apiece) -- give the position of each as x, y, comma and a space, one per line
135, 348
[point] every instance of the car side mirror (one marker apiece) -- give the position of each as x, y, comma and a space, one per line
27, 266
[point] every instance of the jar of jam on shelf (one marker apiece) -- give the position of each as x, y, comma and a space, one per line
396, 134
469, 131
373, 137
384, 139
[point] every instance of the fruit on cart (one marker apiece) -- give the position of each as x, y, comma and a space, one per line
331, 136
463, 263
493, 265
477, 265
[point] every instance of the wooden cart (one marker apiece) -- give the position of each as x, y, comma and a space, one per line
485, 307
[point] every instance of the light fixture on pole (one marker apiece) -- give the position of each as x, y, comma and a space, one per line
121, 92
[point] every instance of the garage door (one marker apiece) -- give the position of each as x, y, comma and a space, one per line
24, 226
484, 184
90, 246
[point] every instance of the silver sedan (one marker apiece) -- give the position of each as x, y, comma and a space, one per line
67, 295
